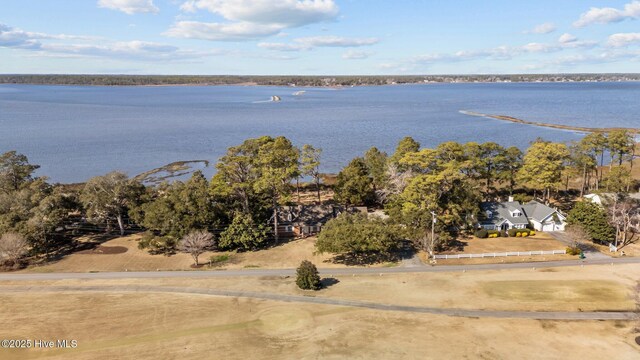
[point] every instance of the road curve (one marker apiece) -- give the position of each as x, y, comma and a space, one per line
535, 315
26, 276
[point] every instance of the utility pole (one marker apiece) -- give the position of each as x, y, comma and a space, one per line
433, 227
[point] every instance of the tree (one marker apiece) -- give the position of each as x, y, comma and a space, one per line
109, 197
376, 162
243, 233
396, 183
510, 166
448, 194
196, 243
358, 236
624, 216
310, 165
593, 219
582, 160
621, 145
353, 185
406, 145
543, 166
618, 180
174, 210
308, 277
15, 171
12, 248
278, 161
596, 143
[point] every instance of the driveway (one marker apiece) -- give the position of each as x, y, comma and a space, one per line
589, 251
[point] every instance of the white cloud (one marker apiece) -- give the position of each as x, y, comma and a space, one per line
623, 39
356, 55
288, 13
308, 43
241, 31
41, 45
336, 41
283, 46
567, 38
609, 15
130, 7
252, 19
545, 28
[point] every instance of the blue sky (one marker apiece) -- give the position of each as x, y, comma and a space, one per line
318, 37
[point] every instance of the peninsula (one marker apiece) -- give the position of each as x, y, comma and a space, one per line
635, 131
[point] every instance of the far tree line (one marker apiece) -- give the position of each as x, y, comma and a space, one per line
431, 195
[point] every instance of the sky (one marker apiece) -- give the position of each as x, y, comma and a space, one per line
318, 37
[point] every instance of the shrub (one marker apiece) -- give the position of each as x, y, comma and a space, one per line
504, 234
573, 250
532, 233
308, 277
215, 260
518, 234
512, 232
525, 233
482, 234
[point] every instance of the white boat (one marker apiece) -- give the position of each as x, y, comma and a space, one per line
298, 93
275, 98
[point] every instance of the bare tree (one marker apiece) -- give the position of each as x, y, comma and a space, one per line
396, 182
624, 215
12, 247
196, 243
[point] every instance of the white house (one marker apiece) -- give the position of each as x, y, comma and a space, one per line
544, 218
513, 215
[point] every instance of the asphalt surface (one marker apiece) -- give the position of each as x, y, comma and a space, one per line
323, 272
536, 315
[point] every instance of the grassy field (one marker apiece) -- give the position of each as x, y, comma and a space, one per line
287, 255
176, 326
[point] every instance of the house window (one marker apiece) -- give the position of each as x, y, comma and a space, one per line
288, 228
516, 214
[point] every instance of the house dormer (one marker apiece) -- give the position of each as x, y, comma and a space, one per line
516, 213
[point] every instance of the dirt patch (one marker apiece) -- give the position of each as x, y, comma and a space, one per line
105, 250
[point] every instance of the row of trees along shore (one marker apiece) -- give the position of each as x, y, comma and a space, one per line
431, 196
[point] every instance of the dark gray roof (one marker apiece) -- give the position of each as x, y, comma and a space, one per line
312, 215
501, 212
537, 211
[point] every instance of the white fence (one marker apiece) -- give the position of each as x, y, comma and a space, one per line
502, 254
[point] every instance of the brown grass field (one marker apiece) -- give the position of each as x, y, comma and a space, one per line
175, 326
120, 254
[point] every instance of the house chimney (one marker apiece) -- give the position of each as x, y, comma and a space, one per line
510, 198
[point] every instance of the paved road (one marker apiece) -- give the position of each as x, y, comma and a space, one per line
323, 272
537, 315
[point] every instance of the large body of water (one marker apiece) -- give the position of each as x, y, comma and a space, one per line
76, 132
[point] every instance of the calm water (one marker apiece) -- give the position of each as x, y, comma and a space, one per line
78, 132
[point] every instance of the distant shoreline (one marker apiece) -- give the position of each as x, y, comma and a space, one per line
303, 81
581, 129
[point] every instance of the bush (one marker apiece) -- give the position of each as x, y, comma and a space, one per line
532, 233
156, 244
573, 250
512, 232
525, 233
504, 234
215, 260
518, 234
308, 277
482, 234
